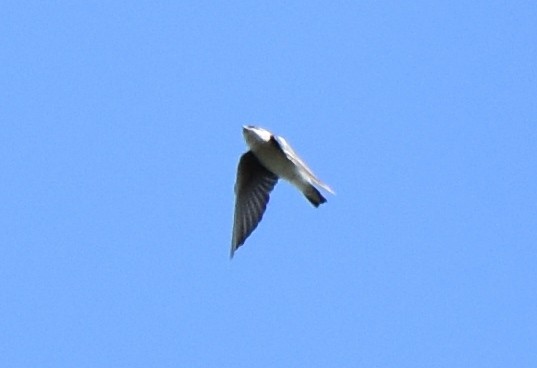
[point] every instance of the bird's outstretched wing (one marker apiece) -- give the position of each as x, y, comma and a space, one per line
295, 159
252, 189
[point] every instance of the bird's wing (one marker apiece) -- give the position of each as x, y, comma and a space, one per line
295, 159
252, 188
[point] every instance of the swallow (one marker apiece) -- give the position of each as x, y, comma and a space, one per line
268, 159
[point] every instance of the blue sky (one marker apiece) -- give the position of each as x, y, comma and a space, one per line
121, 132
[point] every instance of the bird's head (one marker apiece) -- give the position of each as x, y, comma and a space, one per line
255, 135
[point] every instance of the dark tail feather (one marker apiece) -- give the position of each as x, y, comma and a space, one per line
314, 196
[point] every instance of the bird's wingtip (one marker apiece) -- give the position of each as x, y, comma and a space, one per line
326, 187
232, 250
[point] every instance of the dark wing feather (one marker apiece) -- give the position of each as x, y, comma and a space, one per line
252, 189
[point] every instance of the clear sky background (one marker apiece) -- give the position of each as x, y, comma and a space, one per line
120, 135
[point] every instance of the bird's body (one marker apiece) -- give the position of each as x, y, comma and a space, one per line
274, 159
270, 157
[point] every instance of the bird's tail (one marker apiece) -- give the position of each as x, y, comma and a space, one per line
314, 196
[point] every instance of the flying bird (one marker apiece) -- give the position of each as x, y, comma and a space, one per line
270, 157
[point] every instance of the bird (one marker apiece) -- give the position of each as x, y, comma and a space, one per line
268, 159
